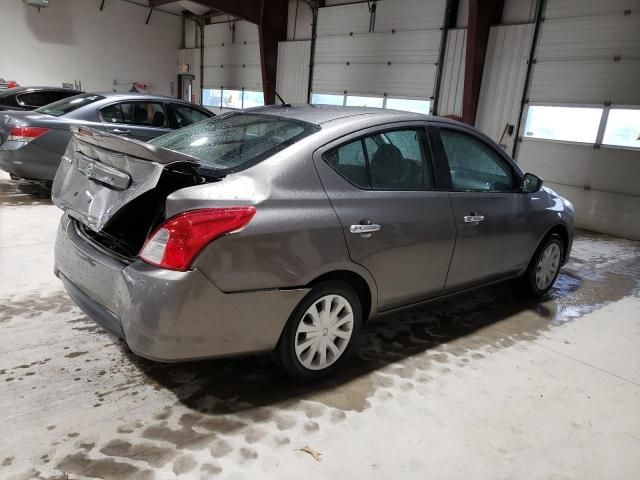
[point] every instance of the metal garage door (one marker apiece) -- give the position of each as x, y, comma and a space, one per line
391, 51
588, 58
232, 56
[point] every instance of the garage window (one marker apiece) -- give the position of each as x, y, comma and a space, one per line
232, 98
623, 128
252, 99
223, 98
571, 124
358, 101
327, 99
212, 97
417, 106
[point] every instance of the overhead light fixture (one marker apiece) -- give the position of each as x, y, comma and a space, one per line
37, 3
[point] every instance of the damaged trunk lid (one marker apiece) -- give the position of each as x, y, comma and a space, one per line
101, 173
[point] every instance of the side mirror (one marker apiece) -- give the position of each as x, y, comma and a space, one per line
531, 183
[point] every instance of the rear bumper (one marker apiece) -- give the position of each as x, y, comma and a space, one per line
166, 315
29, 161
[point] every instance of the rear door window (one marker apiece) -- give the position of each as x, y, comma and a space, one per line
349, 161
144, 114
392, 160
112, 114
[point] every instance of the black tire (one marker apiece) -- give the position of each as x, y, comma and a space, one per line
529, 279
285, 353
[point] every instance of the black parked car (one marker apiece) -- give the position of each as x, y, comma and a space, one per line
30, 98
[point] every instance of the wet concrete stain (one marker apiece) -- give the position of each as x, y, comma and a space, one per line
34, 305
75, 354
209, 471
184, 464
153, 455
23, 192
103, 468
34, 474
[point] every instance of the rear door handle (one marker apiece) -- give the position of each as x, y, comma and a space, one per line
117, 131
475, 218
364, 228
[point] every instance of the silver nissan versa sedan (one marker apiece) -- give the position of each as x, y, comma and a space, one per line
285, 228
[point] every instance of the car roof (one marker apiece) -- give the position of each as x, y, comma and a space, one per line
16, 90
138, 96
322, 114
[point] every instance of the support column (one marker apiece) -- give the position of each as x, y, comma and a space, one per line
482, 14
271, 30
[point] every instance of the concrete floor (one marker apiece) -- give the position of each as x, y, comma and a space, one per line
489, 386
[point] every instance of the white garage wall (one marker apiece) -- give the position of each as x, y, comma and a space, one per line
293, 70
452, 83
588, 55
72, 40
503, 80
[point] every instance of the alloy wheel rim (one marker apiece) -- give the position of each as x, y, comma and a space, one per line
548, 266
324, 332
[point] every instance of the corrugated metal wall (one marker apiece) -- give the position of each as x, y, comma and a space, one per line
452, 81
398, 58
293, 70
588, 54
232, 60
503, 79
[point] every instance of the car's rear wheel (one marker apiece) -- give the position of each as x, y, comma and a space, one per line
545, 266
321, 332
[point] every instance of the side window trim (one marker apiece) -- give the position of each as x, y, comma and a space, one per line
367, 165
438, 126
379, 130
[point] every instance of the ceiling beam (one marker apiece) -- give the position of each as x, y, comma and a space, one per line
482, 14
248, 10
158, 3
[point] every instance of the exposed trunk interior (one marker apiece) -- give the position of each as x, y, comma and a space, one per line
125, 234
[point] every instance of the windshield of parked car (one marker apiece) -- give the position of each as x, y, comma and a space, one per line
236, 141
68, 105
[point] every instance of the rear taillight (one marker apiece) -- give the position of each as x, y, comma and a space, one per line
26, 134
176, 242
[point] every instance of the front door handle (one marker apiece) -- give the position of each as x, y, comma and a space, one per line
117, 131
473, 218
369, 228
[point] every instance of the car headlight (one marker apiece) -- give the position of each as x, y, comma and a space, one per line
568, 204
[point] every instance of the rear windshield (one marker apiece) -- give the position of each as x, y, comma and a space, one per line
68, 105
236, 141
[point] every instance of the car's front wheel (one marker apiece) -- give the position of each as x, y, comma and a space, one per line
321, 332
545, 266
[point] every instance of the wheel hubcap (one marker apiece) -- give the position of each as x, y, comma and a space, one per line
324, 332
548, 266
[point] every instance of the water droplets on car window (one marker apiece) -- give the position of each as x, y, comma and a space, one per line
236, 141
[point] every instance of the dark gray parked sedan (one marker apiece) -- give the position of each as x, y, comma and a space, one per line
30, 98
32, 143
287, 228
